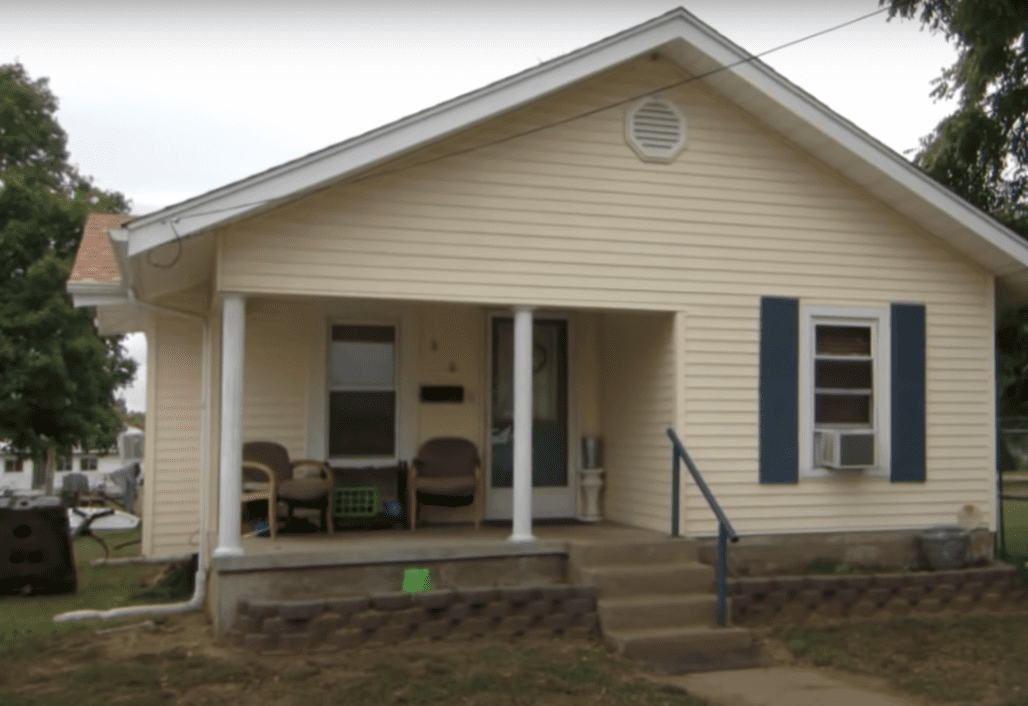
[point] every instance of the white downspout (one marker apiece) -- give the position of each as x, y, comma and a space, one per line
200, 580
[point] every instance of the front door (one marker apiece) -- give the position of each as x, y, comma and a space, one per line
552, 487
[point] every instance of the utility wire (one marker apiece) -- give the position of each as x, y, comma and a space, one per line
564, 121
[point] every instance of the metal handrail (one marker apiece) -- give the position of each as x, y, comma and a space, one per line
725, 531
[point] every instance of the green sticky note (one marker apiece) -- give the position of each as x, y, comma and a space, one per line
417, 580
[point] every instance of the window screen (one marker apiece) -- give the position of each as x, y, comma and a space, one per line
362, 391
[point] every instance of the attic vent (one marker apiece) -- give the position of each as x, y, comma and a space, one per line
655, 129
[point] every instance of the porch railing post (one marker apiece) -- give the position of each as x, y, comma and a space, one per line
675, 494
722, 573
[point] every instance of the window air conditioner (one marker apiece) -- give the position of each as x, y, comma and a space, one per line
844, 449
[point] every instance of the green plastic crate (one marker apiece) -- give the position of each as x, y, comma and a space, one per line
356, 501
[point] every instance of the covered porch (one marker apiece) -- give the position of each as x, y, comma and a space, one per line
291, 373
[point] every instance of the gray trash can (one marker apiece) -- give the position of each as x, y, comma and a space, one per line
944, 548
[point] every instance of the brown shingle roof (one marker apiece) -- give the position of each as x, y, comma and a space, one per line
95, 261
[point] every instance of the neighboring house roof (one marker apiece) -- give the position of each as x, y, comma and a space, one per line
722, 66
95, 261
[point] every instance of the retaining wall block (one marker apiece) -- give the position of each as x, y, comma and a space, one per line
394, 600
943, 591
889, 581
589, 620
370, 619
392, 634
458, 611
898, 606
860, 583
879, 596
556, 592
557, 621
477, 596
326, 623
809, 598
847, 596
863, 608
777, 598
540, 607
432, 629
913, 594
414, 615
435, 599
301, 610
513, 625
929, 605
577, 606
973, 588
991, 599
498, 609
257, 642
347, 637
539, 633
474, 625
790, 584
275, 626
296, 642
962, 602
348, 605
519, 594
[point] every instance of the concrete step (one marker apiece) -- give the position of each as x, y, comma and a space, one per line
670, 551
648, 580
678, 650
657, 611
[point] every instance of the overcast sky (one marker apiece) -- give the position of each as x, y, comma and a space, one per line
164, 101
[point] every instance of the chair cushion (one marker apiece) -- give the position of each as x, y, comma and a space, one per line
446, 486
304, 489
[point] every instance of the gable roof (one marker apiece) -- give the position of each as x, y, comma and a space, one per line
722, 66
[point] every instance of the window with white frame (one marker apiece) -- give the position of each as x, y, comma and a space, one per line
362, 391
62, 463
12, 465
846, 403
87, 463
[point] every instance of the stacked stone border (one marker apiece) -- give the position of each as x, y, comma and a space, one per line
389, 618
837, 600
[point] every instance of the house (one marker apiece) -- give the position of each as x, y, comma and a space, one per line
20, 474
665, 230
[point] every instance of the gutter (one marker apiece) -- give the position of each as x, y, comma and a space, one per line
200, 580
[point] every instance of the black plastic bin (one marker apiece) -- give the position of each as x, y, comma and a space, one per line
35, 547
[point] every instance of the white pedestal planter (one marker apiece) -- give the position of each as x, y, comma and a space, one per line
591, 483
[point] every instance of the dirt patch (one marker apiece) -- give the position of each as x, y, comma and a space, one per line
178, 661
969, 661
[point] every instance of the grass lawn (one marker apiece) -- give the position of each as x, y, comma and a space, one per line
26, 619
1015, 524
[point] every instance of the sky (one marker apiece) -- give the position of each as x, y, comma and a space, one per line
164, 101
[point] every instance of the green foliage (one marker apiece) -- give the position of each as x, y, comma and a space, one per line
57, 376
981, 150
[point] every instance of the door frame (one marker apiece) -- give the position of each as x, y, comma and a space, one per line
561, 504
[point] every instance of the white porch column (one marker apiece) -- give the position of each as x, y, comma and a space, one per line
230, 477
522, 510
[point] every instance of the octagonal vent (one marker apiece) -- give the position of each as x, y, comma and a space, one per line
655, 129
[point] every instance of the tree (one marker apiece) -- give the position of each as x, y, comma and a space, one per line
981, 150
57, 375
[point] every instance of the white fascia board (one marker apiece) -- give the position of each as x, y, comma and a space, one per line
82, 299
94, 288
291, 179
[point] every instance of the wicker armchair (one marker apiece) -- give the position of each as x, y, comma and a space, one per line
447, 466
268, 474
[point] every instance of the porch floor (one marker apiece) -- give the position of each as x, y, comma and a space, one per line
441, 542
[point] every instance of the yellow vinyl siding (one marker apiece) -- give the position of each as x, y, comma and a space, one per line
171, 490
637, 357
275, 380
569, 217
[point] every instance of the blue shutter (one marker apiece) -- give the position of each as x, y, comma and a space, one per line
779, 390
908, 392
